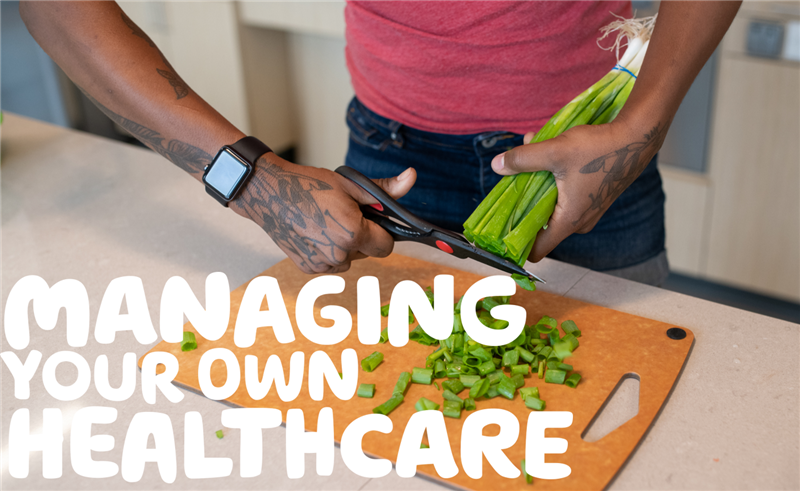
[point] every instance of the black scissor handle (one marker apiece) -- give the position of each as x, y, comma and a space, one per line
386, 204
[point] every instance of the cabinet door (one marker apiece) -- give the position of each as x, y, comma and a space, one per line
754, 240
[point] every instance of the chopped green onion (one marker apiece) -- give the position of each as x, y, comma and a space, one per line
469, 380
452, 409
421, 337
526, 355
507, 388
424, 404
469, 404
499, 324
492, 392
518, 379
541, 368
385, 310
371, 362
479, 389
449, 396
524, 369
486, 367
573, 380
384, 335
510, 358
555, 376
528, 477
219, 434
189, 342
390, 405
565, 367
422, 376
423, 445
495, 377
455, 386
435, 384
439, 369
535, 403
366, 390
402, 384
570, 327
526, 392
429, 294
572, 340
524, 282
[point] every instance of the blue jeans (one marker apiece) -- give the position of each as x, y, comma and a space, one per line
454, 174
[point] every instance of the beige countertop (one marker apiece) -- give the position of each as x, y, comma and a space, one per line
82, 207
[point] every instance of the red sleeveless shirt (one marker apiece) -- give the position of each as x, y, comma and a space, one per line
470, 67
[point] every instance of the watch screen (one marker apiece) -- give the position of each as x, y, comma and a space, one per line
225, 174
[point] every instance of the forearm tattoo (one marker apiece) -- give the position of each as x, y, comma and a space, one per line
188, 157
282, 202
279, 201
622, 167
177, 84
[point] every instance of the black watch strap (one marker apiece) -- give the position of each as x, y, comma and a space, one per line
250, 149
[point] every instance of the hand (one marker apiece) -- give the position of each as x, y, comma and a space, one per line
592, 165
313, 214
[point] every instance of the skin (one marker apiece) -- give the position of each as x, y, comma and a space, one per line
312, 214
593, 165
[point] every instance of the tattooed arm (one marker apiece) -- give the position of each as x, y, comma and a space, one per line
311, 214
593, 165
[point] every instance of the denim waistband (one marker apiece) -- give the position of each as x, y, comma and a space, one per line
480, 143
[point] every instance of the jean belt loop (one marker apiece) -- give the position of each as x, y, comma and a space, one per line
395, 134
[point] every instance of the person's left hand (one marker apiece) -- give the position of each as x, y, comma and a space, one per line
592, 165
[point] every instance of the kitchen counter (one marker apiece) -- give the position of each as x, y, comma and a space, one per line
83, 207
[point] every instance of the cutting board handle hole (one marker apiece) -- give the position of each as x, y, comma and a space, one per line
621, 406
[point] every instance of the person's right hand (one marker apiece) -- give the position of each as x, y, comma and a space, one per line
313, 214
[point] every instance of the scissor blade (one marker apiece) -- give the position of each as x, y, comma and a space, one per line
463, 249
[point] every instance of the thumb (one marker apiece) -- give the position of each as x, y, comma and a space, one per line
397, 187
526, 158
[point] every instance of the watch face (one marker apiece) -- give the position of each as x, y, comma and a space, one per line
226, 173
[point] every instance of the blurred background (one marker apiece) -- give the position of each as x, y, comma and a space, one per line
730, 164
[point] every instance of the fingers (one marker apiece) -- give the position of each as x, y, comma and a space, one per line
396, 187
558, 228
528, 158
374, 241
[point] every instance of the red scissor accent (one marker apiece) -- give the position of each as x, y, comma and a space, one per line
444, 246
377, 206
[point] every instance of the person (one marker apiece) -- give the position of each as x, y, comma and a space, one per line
444, 93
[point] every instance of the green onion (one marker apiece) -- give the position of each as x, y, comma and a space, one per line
541, 368
528, 477
507, 388
422, 376
479, 388
555, 376
421, 337
439, 369
384, 335
189, 342
510, 358
366, 390
455, 386
452, 409
469, 380
573, 380
219, 434
371, 362
385, 310
424, 404
526, 392
518, 379
423, 445
524, 369
469, 404
569, 327
508, 220
450, 396
402, 384
524, 282
435, 384
535, 403
492, 392
526, 355
495, 377
390, 405
486, 367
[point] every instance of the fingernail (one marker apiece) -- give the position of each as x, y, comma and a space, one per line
406, 173
499, 162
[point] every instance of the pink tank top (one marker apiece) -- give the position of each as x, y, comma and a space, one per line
470, 67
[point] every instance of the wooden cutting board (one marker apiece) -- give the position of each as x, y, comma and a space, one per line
614, 345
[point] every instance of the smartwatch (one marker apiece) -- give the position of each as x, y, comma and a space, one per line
227, 174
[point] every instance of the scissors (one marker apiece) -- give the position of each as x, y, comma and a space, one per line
403, 225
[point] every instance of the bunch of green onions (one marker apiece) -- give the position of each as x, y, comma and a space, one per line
508, 220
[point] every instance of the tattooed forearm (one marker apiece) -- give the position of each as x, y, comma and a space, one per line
180, 87
188, 157
283, 204
621, 167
